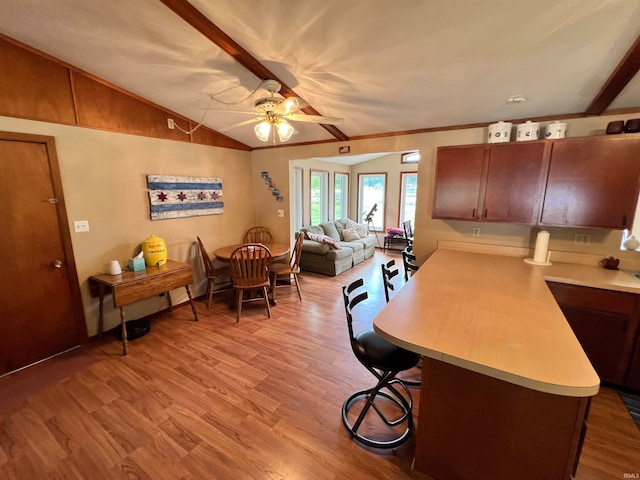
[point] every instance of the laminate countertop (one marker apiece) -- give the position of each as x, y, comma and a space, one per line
494, 315
591, 276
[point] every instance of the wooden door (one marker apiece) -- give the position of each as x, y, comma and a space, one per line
593, 182
39, 295
458, 179
515, 181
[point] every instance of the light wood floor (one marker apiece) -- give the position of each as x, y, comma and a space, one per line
215, 399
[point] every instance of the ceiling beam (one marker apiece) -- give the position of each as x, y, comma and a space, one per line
621, 76
201, 23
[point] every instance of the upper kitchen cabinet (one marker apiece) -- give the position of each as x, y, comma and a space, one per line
593, 182
459, 172
492, 182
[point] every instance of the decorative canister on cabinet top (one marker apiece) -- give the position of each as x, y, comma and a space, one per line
527, 131
499, 132
155, 251
555, 130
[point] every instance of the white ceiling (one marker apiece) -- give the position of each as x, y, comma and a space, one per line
384, 66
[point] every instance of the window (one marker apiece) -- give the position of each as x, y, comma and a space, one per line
319, 192
410, 157
408, 184
372, 191
341, 196
297, 199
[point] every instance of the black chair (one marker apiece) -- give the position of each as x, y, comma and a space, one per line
387, 275
408, 232
388, 272
384, 360
409, 259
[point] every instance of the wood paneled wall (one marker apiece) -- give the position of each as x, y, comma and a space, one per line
38, 87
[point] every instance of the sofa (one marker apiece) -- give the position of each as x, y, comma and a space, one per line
333, 247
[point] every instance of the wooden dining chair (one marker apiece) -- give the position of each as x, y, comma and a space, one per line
250, 271
288, 271
214, 274
258, 235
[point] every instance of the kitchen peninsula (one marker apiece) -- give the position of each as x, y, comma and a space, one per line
506, 385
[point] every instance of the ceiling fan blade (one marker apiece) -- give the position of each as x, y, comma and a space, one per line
250, 121
298, 117
213, 110
241, 124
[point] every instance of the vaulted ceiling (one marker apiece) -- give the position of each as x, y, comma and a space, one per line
383, 66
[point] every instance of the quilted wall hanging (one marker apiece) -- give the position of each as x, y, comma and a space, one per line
172, 196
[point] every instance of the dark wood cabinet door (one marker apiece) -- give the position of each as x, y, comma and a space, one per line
593, 182
458, 179
633, 378
605, 322
515, 181
603, 336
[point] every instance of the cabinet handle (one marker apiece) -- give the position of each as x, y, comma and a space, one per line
485, 213
473, 214
624, 220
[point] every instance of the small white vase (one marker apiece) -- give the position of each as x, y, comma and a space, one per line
631, 243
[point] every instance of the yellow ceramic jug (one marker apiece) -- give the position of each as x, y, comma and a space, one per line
155, 251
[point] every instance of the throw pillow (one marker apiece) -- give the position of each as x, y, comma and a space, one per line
360, 228
324, 239
350, 235
315, 229
329, 229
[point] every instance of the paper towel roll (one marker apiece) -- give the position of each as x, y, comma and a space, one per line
542, 247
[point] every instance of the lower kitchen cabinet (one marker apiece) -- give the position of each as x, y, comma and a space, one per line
633, 377
605, 323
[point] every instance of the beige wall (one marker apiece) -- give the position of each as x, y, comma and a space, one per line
428, 231
104, 182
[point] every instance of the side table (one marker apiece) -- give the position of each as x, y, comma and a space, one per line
129, 287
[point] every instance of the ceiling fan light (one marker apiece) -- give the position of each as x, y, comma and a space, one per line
263, 131
290, 104
284, 129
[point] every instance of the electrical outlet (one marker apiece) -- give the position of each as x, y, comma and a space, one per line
582, 239
80, 226
281, 213
171, 124
476, 232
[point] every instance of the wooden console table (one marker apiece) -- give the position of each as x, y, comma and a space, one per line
129, 287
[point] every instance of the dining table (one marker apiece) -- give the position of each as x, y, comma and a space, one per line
279, 251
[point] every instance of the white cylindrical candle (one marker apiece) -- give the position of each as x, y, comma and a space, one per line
542, 247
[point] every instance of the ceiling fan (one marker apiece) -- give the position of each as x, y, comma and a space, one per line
274, 113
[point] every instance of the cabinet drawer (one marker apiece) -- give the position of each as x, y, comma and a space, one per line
595, 298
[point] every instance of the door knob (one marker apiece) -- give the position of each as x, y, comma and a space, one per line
56, 264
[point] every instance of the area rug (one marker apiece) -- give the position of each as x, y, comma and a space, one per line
633, 405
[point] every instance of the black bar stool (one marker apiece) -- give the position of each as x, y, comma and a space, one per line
384, 360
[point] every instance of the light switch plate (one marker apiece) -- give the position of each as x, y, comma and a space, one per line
80, 226
281, 213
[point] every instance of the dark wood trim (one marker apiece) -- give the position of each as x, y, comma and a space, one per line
619, 78
218, 138
206, 27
